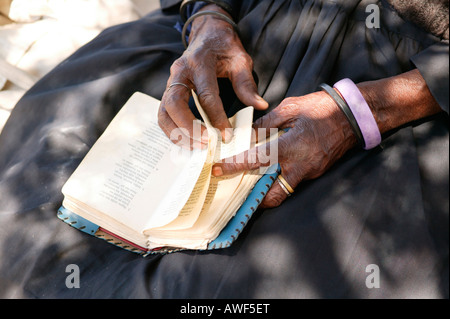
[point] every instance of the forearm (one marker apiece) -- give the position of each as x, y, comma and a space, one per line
399, 100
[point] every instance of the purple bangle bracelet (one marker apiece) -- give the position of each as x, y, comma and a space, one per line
361, 111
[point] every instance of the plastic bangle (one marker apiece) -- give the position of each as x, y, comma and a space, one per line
346, 110
361, 112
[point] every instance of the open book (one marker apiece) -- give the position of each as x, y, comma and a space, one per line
142, 192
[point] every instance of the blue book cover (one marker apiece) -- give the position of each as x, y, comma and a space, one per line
226, 237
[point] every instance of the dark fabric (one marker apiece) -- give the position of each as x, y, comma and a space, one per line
433, 64
387, 206
232, 6
166, 4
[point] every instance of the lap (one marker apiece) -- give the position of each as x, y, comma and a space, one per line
317, 244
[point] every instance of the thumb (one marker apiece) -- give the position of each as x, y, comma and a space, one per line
246, 90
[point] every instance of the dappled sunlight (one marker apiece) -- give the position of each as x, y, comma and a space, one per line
36, 35
366, 209
273, 259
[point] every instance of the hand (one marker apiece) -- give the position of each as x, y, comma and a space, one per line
215, 51
318, 135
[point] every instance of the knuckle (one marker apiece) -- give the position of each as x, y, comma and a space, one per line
163, 117
273, 199
178, 66
244, 59
289, 106
242, 65
248, 61
173, 98
289, 100
208, 97
248, 83
199, 60
197, 55
162, 111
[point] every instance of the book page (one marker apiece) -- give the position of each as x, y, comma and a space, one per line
193, 207
220, 189
134, 173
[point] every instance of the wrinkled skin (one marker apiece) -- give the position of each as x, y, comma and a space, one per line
319, 133
215, 51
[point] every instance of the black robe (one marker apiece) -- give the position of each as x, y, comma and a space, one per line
386, 207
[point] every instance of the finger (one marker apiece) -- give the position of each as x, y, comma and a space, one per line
175, 106
277, 193
176, 102
274, 197
177, 135
207, 90
263, 127
244, 84
260, 156
264, 155
167, 125
177, 120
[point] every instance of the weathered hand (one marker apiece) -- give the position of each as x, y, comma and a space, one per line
215, 51
320, 133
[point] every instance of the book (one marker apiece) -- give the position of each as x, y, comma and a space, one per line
139, 190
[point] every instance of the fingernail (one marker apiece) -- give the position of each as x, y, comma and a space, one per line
263, 103
258, 97
217, 171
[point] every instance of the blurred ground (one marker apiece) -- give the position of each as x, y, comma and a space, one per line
35, 35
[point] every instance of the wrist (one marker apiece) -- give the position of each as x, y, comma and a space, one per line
211, 20
361, 116
399, 100
218, 26
337, 118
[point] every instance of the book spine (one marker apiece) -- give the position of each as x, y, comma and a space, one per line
77, 221
90, 228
